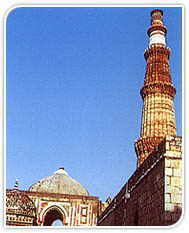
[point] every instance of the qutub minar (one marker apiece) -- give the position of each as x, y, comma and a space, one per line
158, 117
153, 194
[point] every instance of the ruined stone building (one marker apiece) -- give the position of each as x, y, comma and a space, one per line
153, 194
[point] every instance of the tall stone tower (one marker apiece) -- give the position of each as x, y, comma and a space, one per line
152, 196
158, 116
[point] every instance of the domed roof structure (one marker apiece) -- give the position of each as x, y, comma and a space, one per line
61, 183
20, 209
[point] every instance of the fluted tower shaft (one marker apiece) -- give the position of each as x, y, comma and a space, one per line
158, 115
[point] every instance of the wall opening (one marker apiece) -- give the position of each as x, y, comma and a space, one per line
57, 222
53, 217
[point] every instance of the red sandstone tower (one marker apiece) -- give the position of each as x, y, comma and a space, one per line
152, 196
158, 115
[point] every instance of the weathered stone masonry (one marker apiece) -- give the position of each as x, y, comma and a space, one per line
153, 194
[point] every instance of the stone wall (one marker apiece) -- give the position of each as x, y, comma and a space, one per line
145, 203
173, 190
173, 180
152, 196
20, 209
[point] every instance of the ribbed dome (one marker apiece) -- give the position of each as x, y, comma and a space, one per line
60, 182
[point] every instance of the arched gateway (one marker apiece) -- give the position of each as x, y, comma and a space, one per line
53, 214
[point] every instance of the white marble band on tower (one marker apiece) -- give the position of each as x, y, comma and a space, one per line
157, 31
157, 38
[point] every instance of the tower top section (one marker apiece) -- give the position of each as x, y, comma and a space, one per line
157, 30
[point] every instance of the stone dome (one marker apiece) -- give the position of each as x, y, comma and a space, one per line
61, 183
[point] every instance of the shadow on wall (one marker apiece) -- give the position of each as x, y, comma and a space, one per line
120, 217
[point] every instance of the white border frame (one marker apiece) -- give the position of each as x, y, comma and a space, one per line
180, 5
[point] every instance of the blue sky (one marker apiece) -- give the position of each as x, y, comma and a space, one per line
73, 82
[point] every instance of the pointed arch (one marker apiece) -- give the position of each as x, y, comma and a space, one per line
54, 212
